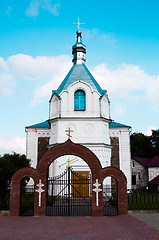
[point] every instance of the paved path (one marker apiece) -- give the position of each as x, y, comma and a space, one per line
151, 218
76, 228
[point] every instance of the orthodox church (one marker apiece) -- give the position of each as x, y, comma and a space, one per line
80, 109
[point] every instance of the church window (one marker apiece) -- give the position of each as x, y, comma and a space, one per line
80, 100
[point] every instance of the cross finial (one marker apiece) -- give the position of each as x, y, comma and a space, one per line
79, 77
78, 24
68, 132
68, 161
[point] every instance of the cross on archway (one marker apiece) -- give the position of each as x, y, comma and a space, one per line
68, 161
68, 132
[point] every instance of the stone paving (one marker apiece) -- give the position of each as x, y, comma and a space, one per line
76, 228
151, 218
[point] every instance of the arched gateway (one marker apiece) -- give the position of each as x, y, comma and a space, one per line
39, 175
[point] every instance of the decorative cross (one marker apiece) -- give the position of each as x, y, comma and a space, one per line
40, 190
79, 76
68, 132
69, 161
97, 190
78, 24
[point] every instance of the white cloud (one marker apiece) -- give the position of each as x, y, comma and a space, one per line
6, 84
48, 5
9, 10
14, 144
108, 39
40, 67
44, 91
48, 71
7, 81
127, 81
118, 110
149, 130
3, 66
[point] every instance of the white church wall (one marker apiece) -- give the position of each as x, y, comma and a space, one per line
54, 132
60, 165
124, 154
84, 130
103, 153
55, 102
31, 146
90, 127
92, 101
124, 151
32, 143
104, 107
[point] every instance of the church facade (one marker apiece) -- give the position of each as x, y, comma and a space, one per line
80, 109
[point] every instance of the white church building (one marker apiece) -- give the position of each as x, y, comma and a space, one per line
81, 105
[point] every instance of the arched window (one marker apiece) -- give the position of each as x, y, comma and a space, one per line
80, 100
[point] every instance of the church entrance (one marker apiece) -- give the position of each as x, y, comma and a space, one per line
80, 184
62, 195
69, 194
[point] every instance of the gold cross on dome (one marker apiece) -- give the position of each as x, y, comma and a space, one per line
79, 77
78, 24
68, 132
68, 161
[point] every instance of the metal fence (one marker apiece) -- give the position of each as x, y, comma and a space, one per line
27, 200
69, 195
143, 200
137, 199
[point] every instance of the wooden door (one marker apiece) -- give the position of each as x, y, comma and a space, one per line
80, 184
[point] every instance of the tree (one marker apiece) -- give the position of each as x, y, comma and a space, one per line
9, 164
141, 145
155, 141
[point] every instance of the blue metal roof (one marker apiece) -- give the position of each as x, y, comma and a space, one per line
40, 125
85, 75
116, 125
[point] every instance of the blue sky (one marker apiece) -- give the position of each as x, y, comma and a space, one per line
36, 37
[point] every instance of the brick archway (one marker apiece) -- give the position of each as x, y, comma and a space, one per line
122, 187
40, 175
15, 188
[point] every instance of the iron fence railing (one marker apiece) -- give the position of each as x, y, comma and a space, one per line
137, 199
143, 200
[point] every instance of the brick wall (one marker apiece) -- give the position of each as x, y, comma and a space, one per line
114, 156
42, 146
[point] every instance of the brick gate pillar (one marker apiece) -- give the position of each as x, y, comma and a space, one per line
15, 199
15, 188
